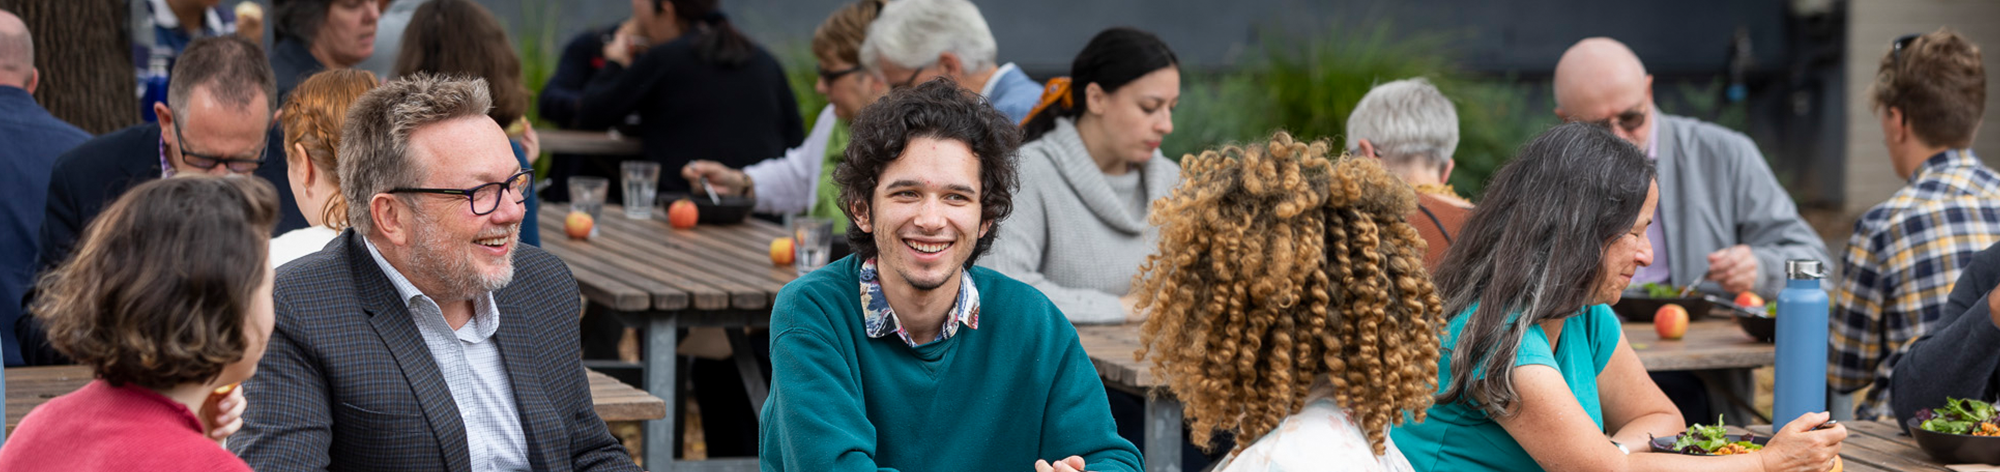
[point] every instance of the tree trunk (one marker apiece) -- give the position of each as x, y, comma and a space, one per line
84, 52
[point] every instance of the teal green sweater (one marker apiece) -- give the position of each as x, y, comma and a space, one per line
1017, 389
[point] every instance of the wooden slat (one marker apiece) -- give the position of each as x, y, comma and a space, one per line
622, 270
611, 252
30, 387
601, 143
718, 266
1708, 344
733, 274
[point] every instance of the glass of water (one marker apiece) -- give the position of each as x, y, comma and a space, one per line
586, 194
812, 243
642, 178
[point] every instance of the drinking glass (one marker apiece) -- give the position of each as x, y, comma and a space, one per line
642, 179
812, 243
586, 194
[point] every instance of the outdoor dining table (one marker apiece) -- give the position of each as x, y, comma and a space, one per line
30, 387
563, 141
1716, 346
664, 279
1878, 446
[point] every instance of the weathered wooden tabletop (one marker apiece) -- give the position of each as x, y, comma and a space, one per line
646, 265
1878, 446
29, 387
562, 141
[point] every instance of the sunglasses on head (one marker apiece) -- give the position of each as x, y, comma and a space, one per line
1896, 47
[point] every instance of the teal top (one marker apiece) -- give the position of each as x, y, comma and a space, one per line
1015, 389
1458, 436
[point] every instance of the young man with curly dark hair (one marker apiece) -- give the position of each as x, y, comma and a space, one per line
881, 360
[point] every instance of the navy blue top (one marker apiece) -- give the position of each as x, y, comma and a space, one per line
691, 109
34, 140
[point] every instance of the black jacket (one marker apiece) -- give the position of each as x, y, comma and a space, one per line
1959, 353
690, 109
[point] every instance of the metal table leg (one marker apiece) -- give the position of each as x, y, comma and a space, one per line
1163, 434
661, 344
746, 365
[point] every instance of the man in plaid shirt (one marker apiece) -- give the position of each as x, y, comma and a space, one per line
1929, 94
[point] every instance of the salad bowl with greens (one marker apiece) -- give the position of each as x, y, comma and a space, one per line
1962, 431
1710, 440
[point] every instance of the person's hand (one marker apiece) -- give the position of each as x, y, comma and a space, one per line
1796, 448
1130, 302
619, 50
531, 143
725, 180
1070, 464
222, 413
1734, 267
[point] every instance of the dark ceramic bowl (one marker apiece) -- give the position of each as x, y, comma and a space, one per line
1667, 443
732, 210
1640, 309
1956, 448
1762, 327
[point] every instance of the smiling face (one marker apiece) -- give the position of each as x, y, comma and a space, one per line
453, 253
1629, 251
347, 36
925, 214
1139, 115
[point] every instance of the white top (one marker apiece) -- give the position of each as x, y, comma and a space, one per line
1320, 437
470, 362
790, 183
986, 90
298, 243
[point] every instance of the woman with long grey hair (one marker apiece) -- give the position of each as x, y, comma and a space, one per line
1535, 373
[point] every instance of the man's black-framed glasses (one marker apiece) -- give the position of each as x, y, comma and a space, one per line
486, 197
1629, 120
206, 162
829, 76
1896, 48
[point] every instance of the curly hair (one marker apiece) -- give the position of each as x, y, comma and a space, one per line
158, 290
1278, 268
937, 109
313, 116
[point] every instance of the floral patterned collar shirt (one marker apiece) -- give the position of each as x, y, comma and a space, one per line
882, 320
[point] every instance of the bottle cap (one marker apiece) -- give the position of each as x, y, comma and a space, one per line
1803, 269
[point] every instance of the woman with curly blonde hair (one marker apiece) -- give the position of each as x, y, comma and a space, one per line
1289, 303
312, 117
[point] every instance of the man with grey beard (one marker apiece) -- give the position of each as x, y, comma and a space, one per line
426, 337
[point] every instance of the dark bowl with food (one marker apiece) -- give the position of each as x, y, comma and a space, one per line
1638, 308
1955, 448
1760, 326
731, 210
1666, 444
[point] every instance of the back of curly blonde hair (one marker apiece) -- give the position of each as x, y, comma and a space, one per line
1278, 267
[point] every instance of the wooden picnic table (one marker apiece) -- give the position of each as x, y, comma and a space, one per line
1878, 446
563, 141
665, 279
30, 387
1708, 345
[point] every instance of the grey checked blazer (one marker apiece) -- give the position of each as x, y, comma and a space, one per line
348, 383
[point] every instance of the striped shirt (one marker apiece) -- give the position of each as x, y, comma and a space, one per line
469, 359
1900, 265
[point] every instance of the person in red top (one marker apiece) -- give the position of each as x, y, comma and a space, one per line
169, 301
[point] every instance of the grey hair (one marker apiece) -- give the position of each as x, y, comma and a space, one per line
911, 34
17, 47
230, 67
1405, 120
1533, 251
375, 140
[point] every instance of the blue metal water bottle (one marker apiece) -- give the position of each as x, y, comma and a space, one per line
1801, 343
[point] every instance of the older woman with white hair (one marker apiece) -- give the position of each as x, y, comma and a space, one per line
915, 41
1413, 129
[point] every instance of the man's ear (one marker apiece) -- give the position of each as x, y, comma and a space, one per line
950, 64
34, 80
1367, 148
388, 217
861, 217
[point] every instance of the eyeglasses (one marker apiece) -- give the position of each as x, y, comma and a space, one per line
206, 162
486, 196
829, 76
1896, 48
1629, 120
906, 83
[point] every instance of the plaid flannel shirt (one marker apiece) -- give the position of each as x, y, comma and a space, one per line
1900, 265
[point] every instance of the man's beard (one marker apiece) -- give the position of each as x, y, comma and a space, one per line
452, 269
